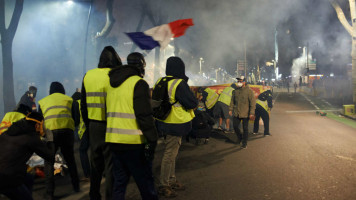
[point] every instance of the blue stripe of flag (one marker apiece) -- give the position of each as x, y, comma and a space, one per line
145, 42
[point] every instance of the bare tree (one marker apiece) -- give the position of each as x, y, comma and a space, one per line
7, 38
351, 29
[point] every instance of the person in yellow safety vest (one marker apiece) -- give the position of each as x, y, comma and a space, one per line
177, 124
18, 144
131, 131
83, 135
221, 109
263, 108
93, 110
210, 98
60, 119
10, 117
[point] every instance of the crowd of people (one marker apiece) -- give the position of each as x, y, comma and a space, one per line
114, 119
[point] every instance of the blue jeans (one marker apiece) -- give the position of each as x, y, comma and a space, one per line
133, 162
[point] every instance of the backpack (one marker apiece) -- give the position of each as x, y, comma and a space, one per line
160, 99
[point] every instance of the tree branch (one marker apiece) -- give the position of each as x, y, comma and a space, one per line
109, 20
15, 18
2, 17
340, 14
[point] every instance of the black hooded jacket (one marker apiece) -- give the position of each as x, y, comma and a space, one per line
176, 68
141, 104
108, 59
18, 144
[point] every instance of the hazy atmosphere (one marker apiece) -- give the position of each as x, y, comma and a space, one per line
50, 40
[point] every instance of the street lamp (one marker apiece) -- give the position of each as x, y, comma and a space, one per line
201, 60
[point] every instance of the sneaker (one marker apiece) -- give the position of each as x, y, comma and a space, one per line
244, 146
206, 141
220, 128
267, 134
177, 186
254, 133
166, 191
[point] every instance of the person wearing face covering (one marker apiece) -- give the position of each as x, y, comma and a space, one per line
242, 108
177, 124
18, 144
93, 110
29, 97
60, 119
131, 131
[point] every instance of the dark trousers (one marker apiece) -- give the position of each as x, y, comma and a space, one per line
100, 161
63, 139
83, 153
261, 113
21, 192
241, 137
133, 162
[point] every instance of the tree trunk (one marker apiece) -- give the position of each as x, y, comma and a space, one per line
7, 37
8, 75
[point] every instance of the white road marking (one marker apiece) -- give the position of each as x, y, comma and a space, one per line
345, 158
307, 111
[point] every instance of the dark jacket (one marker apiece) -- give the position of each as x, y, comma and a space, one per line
176, 68
57, 87
18, 144
202, 124
27, 101
75, 106
108, 59
141, 104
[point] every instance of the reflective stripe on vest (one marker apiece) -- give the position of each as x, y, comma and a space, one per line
96, 82
10, 118
178, 114
57, 111
121, 125
263, 104
211, 99
82, 127
225, 95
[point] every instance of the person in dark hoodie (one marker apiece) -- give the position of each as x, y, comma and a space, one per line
177, 124
83, 135
263, 108
28, 98
18, 144
93, 110
60, 119
131, 131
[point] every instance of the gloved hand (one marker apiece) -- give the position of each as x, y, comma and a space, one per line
49, 135
150, 150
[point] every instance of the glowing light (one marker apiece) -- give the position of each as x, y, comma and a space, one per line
70, 2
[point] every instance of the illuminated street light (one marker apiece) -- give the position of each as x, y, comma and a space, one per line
201, 60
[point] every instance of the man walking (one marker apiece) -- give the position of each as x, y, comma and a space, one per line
131, 131
177, 124
93, 110
242, 107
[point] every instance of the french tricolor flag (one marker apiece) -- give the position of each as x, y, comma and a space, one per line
160, 35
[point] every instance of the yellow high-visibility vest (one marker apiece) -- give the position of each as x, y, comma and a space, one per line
96, 82
57, 111
10, 118
263, 104
81, 128
225, 95
121, 125
178, 114
211, 99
